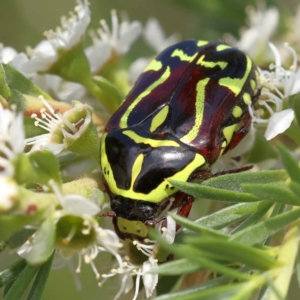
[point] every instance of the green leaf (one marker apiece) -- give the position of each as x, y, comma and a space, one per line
2, 246
12, 272
298, 268
18, 99
17, 81
166, 284
38, 167
233, 181
196, 227
195, 255
193, 292
72, 64
294, 103
109, 89
295, 187
254, 218
177, 267
274, 192
12, 223
42, 246
257, 233
261, 150
21, 283
235, 252
205, 192
289, 162
40, 281
231, 214
20, 237
4, 88
224, 292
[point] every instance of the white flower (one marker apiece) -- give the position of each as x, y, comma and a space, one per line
66, 36
11, 139
128, 269
157, 40
58, 128
109, 43
262, 25
61, 90
276, 87
9, 193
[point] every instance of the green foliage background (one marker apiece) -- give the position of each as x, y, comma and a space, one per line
23, 22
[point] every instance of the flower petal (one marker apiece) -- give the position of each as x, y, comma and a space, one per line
150, 280
78, 205
279, 122
169, 234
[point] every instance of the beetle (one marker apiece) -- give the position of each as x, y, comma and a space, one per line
187, 108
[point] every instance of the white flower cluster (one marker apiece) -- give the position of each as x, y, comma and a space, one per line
11, 144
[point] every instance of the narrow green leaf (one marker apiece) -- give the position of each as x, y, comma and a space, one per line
257, 233
195, 290
196, 227
200, 191
109, 89
21, 283
40, 281
38, 167
295, 187
193, 254
224, 292
4, 88
11, 272
12, 223
2, 246
233, 181
294, 103
166, 284
17, 81
274, 192
47, 164
231, 214
177, 267
42, 246
298, 268
20, 237
254, 218
235, 252
289, 162
18, 99
7, 288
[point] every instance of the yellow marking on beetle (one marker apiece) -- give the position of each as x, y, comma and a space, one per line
161, 80
236, 84
153, 143
228, 132
237, 111
132, 227
247, 98
159, 118
222, 47
183, 56
253, 84
223, 147
202, 43
160, 192
154, 65
136, 169
199, 108
211, 64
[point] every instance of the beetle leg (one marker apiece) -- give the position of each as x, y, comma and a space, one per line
110, 214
